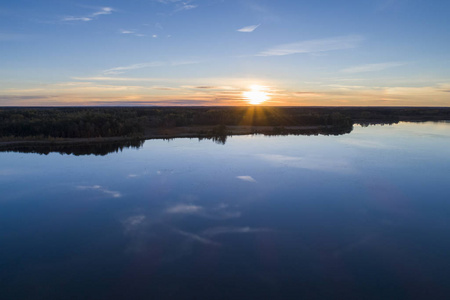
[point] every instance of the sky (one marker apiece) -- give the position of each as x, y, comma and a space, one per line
218, 52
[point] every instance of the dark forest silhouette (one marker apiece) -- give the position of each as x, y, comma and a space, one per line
102, 130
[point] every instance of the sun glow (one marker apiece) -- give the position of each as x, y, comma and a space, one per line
256, 95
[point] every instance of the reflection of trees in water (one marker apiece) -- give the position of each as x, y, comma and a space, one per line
330, 130
218, 135
76, 149
218, 139
369, 123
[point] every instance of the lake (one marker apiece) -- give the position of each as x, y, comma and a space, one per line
364, 215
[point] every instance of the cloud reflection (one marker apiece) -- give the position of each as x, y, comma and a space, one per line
184, 209
220, 212
366, 144
309, 163
133, 222
99, 188
196, 238
211, 232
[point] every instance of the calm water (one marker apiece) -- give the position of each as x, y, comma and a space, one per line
359, 216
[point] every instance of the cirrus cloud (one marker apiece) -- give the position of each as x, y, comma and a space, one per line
250, 28
314, 46
372, 67
90, 17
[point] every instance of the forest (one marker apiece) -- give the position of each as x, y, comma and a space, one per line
137, 122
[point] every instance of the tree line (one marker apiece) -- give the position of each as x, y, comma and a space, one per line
90, 122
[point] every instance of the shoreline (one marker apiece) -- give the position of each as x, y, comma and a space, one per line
167, 133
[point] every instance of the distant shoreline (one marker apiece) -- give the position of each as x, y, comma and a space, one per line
86, 126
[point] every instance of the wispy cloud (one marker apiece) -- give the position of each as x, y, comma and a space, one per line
314, 46
250, 28
90, 17
131, 32
180, 5
120, 70
208, 87
168, 1
124, 31
14, 98
308, 94
72, 18
203, 87
373, 67
107, 78
103, 11
246, 178
185, 6
263, 12
140, 91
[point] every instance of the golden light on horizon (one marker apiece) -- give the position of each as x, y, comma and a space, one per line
256, 95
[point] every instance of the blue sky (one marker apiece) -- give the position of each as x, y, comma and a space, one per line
211, 52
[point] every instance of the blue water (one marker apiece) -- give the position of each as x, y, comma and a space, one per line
359, 216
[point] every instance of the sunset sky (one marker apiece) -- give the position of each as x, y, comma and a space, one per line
214, 52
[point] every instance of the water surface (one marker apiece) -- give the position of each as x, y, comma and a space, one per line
359, 216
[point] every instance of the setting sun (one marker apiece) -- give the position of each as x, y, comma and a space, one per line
256, 95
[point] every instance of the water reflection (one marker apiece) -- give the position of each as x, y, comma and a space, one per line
218, 139
363, 216
74, 149
221, 134
101, 189
104, 148
310, 163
